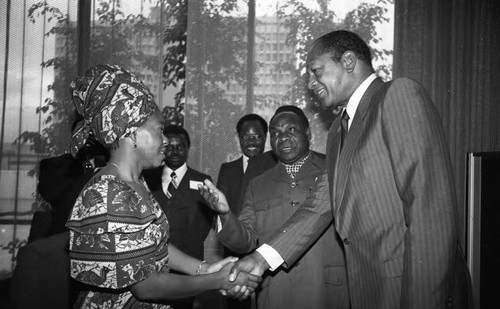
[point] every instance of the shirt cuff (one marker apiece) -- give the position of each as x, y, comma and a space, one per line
219, 224
272, 257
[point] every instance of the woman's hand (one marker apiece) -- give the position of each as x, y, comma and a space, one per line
215, 267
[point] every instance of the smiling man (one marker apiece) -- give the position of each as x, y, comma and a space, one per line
252, 133
389, 183
318, 278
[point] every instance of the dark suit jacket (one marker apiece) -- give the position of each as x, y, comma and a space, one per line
60, 181
393, 200
256, 166
229, 182
318, 279
41, 278
189, 218
233, 182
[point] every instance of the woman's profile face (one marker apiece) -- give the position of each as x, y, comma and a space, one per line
151, 142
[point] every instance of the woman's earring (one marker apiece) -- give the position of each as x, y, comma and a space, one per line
135, 145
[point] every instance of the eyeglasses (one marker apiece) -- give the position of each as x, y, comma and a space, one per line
256, 137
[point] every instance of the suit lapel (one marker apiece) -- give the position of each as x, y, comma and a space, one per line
311, 167
184, 184
332, 150
350, 144
239, 167
153, 180
280, 172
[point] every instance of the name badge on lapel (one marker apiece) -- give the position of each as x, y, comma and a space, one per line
193, 185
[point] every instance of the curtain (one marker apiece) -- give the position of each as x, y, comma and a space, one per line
452, 49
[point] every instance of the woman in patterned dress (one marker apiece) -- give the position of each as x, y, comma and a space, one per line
118, 232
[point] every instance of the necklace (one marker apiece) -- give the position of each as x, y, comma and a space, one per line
123, 174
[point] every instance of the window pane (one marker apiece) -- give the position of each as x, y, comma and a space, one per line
216, 81
37, 43
41, 62
129, 34
283, 32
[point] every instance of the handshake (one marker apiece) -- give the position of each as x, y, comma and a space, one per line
240, 278
245, 274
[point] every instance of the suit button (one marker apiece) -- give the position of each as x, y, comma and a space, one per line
449, 302
293, 184
293, 203
346, 241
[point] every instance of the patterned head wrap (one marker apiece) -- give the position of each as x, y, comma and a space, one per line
113, 103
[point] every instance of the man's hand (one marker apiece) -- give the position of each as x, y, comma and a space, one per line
215, 199
254, 264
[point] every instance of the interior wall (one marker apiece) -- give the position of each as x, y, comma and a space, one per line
451, 47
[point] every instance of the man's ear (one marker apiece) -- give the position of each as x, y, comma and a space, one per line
349, 60
308, 134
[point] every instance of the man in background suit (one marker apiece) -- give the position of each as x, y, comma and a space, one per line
189, 218
252, 133
234, 176
318, 279
390, 183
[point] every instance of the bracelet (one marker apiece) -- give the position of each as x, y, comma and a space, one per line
198, 269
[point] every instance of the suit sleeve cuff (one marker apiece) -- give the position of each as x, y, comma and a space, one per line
272, 257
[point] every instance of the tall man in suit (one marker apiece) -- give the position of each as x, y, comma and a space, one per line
175, 187
234, 176
390, 183
252, 133
318, 279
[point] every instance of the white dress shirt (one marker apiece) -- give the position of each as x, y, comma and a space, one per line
352, 104
245, 163
166, 178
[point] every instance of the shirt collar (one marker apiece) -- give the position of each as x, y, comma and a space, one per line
293, 169
180, 172
245, 163
352, 104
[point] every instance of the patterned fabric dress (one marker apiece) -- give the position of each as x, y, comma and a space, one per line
117, 239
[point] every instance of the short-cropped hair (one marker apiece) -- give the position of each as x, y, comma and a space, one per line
251, 117
177, 130
292, 109
336, 43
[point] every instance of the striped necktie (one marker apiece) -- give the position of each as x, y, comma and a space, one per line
344, 127
172, 187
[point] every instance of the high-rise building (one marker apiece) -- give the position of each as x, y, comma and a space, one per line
271, 51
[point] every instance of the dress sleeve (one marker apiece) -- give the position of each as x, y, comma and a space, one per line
117, 238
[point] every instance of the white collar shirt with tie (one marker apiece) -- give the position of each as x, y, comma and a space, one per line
245, 163
166, 178
352, 104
